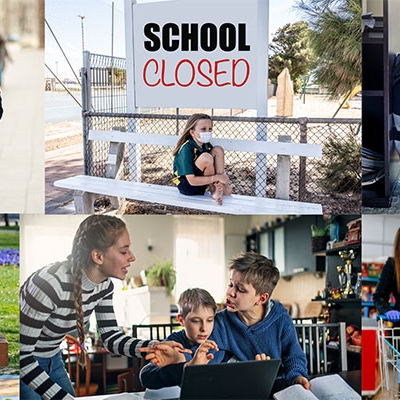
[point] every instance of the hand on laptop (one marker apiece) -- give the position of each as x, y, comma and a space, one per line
303, 381
165, 353
262, 356
202, 355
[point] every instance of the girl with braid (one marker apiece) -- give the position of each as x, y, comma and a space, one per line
61, 297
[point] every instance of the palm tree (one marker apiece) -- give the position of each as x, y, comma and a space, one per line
335, 36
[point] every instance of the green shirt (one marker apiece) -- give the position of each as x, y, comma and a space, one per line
185, 158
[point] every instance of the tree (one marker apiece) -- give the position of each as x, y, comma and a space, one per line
335, 37
290, 48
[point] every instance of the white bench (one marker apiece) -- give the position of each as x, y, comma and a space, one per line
88, 187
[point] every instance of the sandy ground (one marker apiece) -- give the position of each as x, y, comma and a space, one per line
9, 387
63, 144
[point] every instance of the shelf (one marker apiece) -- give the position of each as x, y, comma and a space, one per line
329, 301
369, 279
373, 93
354, 246
367, 304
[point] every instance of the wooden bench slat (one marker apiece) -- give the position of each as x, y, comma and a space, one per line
252, 146
168, 195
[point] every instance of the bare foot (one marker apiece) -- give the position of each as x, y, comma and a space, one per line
227, 190
218, 193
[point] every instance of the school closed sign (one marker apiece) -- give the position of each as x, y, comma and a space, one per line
200, 53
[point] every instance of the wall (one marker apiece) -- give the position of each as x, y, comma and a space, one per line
299, 290
378, 233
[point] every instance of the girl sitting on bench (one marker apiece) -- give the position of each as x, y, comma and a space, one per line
197, 163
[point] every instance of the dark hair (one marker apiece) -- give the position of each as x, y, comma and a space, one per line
192, 299
95, 232
190, 124
396, 256
257, 270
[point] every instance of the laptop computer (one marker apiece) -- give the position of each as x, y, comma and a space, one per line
237, 380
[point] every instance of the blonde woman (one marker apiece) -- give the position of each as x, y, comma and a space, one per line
61, 297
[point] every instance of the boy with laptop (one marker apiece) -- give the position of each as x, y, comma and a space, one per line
197, 310
253, 325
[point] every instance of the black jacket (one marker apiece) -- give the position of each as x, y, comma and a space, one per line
385, 287
1, 108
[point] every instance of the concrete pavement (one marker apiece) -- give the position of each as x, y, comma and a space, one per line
22, 134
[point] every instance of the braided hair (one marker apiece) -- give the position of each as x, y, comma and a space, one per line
95, 232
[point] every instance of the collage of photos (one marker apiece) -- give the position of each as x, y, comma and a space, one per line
200, 199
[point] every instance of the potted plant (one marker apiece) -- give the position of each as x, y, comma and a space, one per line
319, 237
161, 273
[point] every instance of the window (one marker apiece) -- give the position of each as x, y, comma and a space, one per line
199, 255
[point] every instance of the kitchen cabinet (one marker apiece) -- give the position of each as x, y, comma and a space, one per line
288, 243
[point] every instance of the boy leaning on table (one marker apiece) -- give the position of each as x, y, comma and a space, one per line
197, 310
252, 325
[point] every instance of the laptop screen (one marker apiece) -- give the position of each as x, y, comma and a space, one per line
238, 380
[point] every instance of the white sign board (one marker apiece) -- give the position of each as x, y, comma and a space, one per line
205, 54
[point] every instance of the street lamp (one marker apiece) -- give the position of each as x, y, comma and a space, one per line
82, 17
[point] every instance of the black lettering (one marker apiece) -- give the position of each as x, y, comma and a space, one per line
242, 38
154, 43
168, 31
190, 37
208, 37
227, 37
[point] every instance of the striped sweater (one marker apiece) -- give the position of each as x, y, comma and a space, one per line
48, 314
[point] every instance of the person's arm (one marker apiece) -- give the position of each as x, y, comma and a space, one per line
385, 287
195, 180
294, 360
153, 377
116, 341
36, 306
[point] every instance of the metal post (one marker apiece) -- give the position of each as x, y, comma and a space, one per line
82, 17
262, 97
134, 149
303, 160
86, 104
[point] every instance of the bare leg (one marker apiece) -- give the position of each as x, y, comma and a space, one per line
211, 164
219, 165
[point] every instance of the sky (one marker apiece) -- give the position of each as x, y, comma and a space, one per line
63, 20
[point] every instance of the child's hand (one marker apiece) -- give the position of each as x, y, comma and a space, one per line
201, 356
165, 353
262, 356
223, 178
303, 381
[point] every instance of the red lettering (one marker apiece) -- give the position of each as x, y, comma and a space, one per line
152, 60
204, 73
177, 73
235, 63
217, 72
210, 82
163, 75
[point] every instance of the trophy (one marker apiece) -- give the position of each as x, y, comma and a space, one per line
345, 272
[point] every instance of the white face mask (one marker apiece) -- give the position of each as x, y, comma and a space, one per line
205, 137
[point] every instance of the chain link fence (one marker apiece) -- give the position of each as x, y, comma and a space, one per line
333, 181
